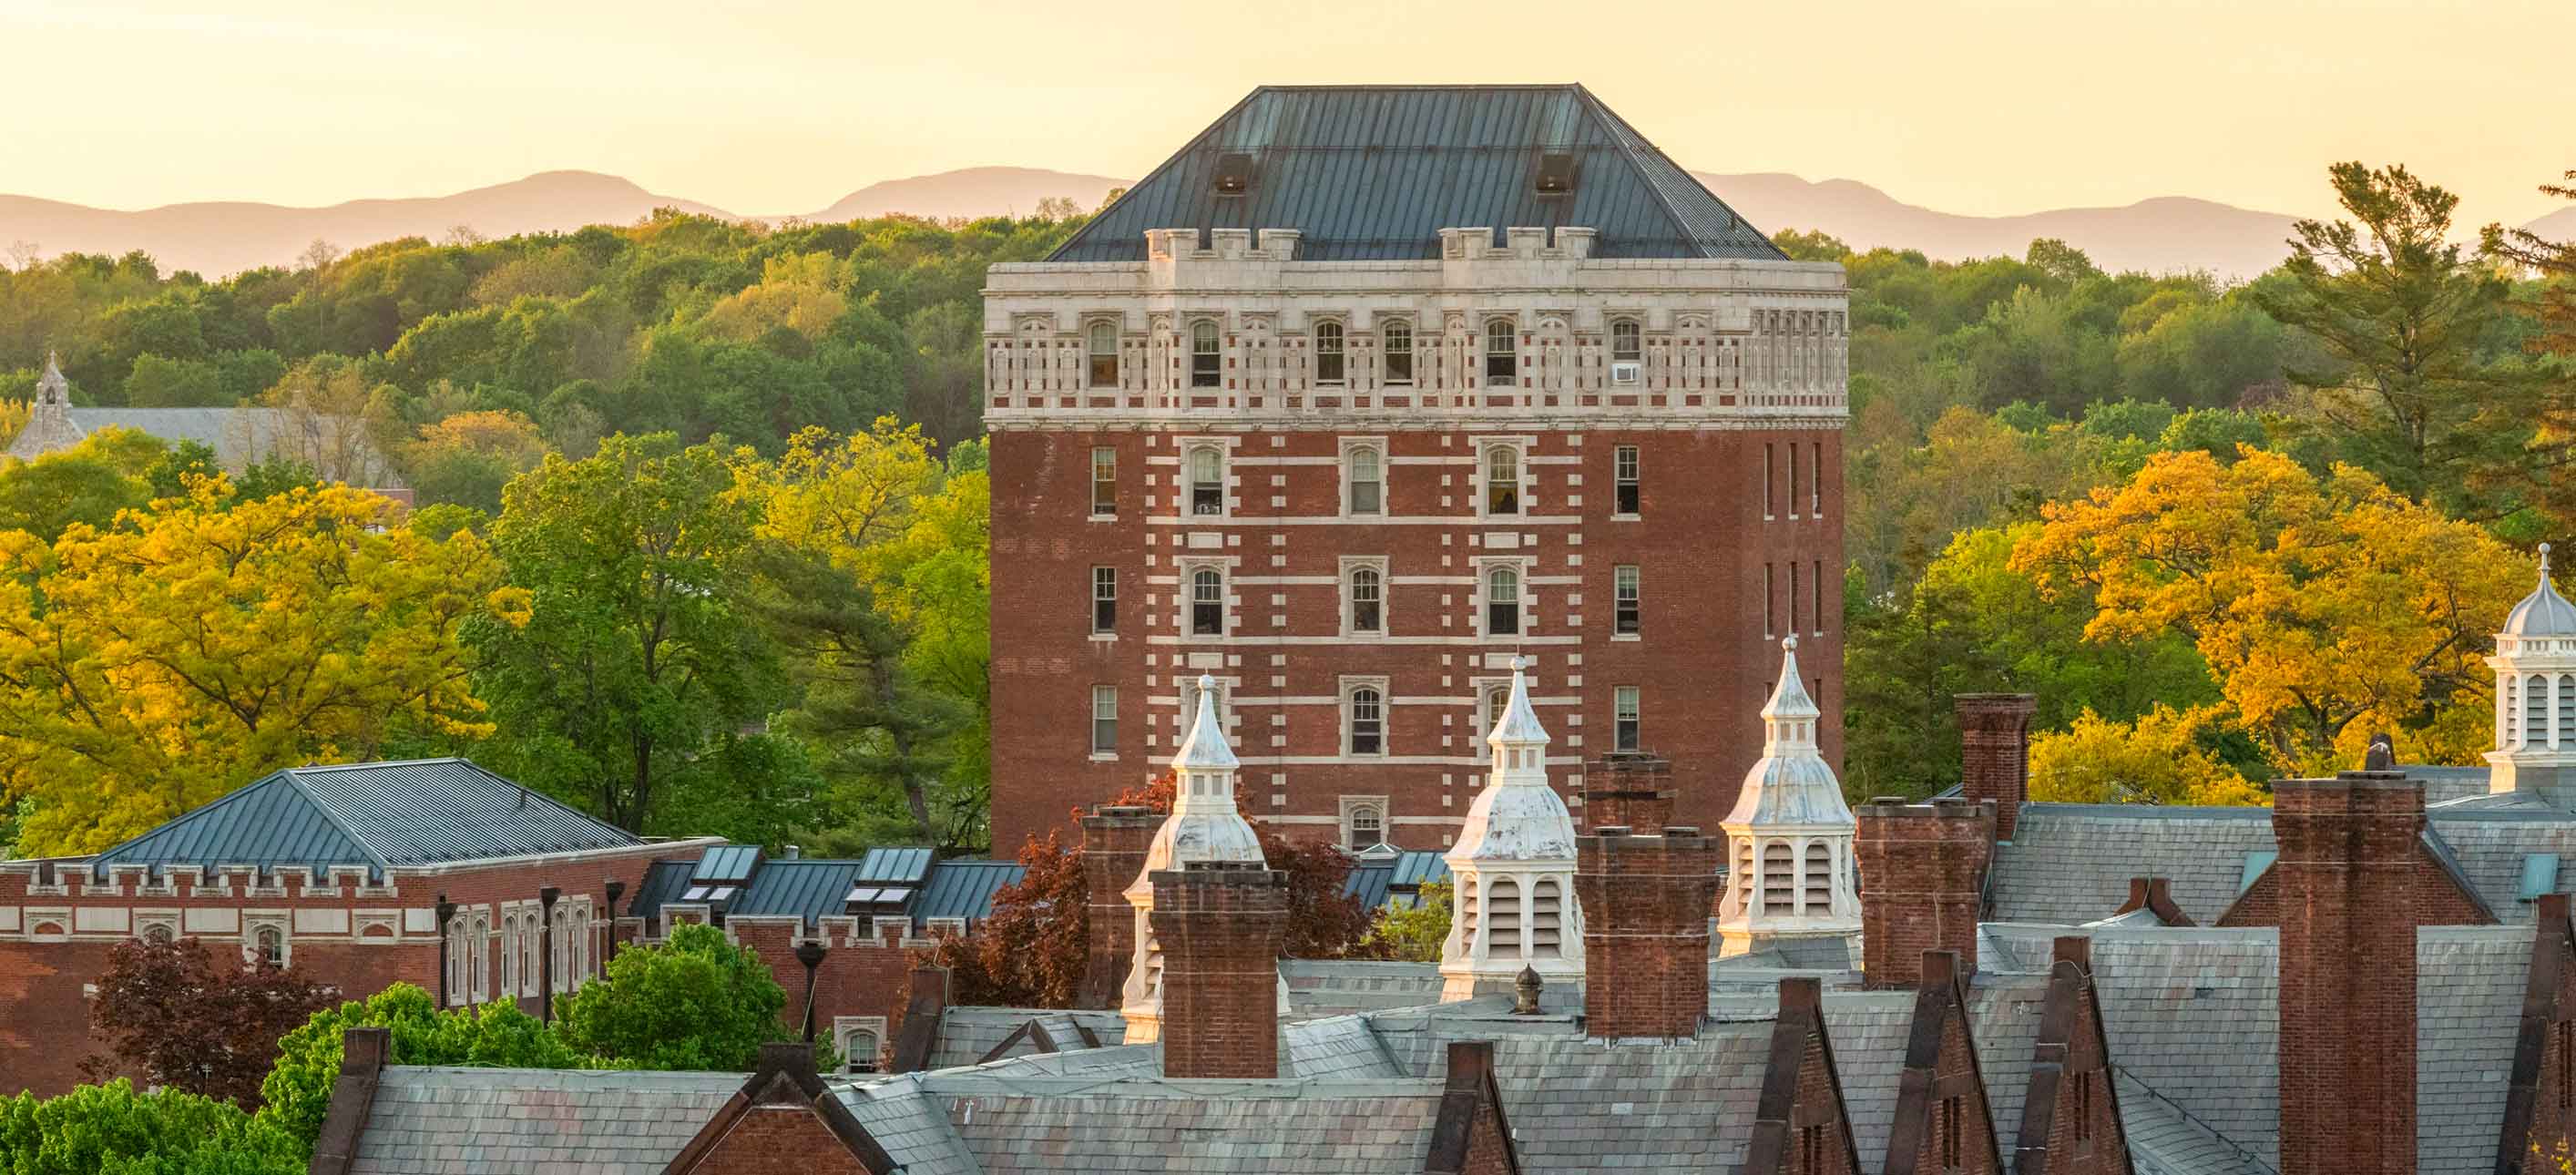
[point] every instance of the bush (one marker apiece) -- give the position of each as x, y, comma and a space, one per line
298, 1089
696, 1002
113, 1130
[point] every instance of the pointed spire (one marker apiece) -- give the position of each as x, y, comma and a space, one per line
51, 387
1789, 718
1519, 726
1205, 749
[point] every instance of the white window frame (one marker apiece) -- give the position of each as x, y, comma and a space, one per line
253, 924
1520, 479
1190, 348
1387, 351
1098, 452
1347, 709
1627, 593
1635, 475
845, 1027
1351, 805
1100, 693
510, 977
1523, 600
1352, 448
1188, 499
1341, 350
1485, 352
1189, 599
1091, 354
1347, 591
145, 924
1097, 580
1488, 695
1636, 331
1627, 704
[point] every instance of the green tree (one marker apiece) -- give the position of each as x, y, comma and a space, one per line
89, 483
2402, 313
113, 1129
638, 657
1412, 934
697, 1001
2548, 406
297, 1093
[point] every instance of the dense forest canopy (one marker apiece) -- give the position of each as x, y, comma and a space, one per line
767, 432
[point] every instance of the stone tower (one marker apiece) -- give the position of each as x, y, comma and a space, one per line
2535, 664
1790, 833
49, 417
1513, 866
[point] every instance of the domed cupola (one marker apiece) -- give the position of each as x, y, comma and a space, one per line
1513, 867
1204, 826
1790, 834
2535, 722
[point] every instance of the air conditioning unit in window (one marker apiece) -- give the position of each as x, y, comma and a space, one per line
1625, 372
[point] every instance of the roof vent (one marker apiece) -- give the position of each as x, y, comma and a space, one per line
1233, 173
1556, 173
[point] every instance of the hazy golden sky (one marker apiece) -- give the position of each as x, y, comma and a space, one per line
783, 107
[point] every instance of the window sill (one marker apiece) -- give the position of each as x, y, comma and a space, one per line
1102, 518
1099, 757
1627, 636
1627, 518
1104, 636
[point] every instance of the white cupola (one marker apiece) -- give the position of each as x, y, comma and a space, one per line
1513, 867
1204, 826
2535, 728
1790, 835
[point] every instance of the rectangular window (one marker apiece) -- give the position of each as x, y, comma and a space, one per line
1816, 597
1104, 599
1207, 603
1502, 353
1368, 725
1502, 480
1104, 719
1104, 481
1628, 619
2083, 1111
1502, 602
1328, 353
1368, 600
1399, 352
1769, 454
1811, 1149
1625, 724
1769, 629
1365, 470
1816, 479
1793, 597
1953, 1124
1203, 355
1207, 482
1793, 479
1624, 476
1102, 347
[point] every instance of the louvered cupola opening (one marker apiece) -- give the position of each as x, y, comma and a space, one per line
1779, 878
1819, 877
1546, 920
1503, 938
1744, 872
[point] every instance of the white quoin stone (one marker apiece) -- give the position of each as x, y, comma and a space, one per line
1513, 867
1205, 826
1790, 835
2535, 718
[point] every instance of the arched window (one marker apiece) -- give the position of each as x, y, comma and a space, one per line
1819, 878
1496, 699
1503, 907
1502, 480
268, 946
1547, 919
1368, 729
1502, 602
1367, 481
1367, 827
2535, 711
1367, 598
1398, 337
531, 944
158, 935
1779, 879
1203, 354
1328, 352
1502, 353
1207, 481
1627, 343
861, 1047
1103, 348
1207, 602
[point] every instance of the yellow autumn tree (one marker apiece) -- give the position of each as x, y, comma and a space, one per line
2156, 760
800, 293
201, 642
2327, 608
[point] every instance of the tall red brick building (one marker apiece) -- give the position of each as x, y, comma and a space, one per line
1367, 391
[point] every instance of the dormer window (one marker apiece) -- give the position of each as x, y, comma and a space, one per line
1556, 173
1233, 173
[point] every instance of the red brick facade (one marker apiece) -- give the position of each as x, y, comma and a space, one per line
785, 1139
1628, 791
1114, 840
361, 938
1801, 1126
1994, 753
1704, 649
2070, 1121
1645, 930
1943, 1123
2348, 878
1922, 868
1220, 927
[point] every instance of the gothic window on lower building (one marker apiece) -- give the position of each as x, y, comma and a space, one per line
861, 1041
1103, 348
1207, 602
1205, 371
1396, 338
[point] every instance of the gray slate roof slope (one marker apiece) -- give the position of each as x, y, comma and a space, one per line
1868, 1030
441, 1121
911, 1125
1375, 172
1337, 987
2468, 1012
1013, 1124
242, 437
2489, 846
967, 1033
2165, 1141
379, 815
2070, 864
1340, 1046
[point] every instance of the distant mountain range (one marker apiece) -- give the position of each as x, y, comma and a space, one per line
2158, 235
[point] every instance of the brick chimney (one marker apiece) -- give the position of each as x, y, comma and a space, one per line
2348, 874
1994, 753
1631, 790
1220, 924
1114, 839
1922, 884
1645, 930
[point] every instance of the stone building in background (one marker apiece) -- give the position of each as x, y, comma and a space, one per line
336, 448
1368, 391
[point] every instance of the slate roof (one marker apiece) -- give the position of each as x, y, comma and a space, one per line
1333, 987
1151, 1125
376, 815
443, 1121
966, 1034
240, 437
1375, 172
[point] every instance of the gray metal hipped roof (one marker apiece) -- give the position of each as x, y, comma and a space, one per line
376, 815
1370, 173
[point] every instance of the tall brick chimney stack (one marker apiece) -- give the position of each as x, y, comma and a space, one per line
1922, 884
1114, 839
2348, 873
1629, 789
1994, 738
1645, 930
1220, 924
